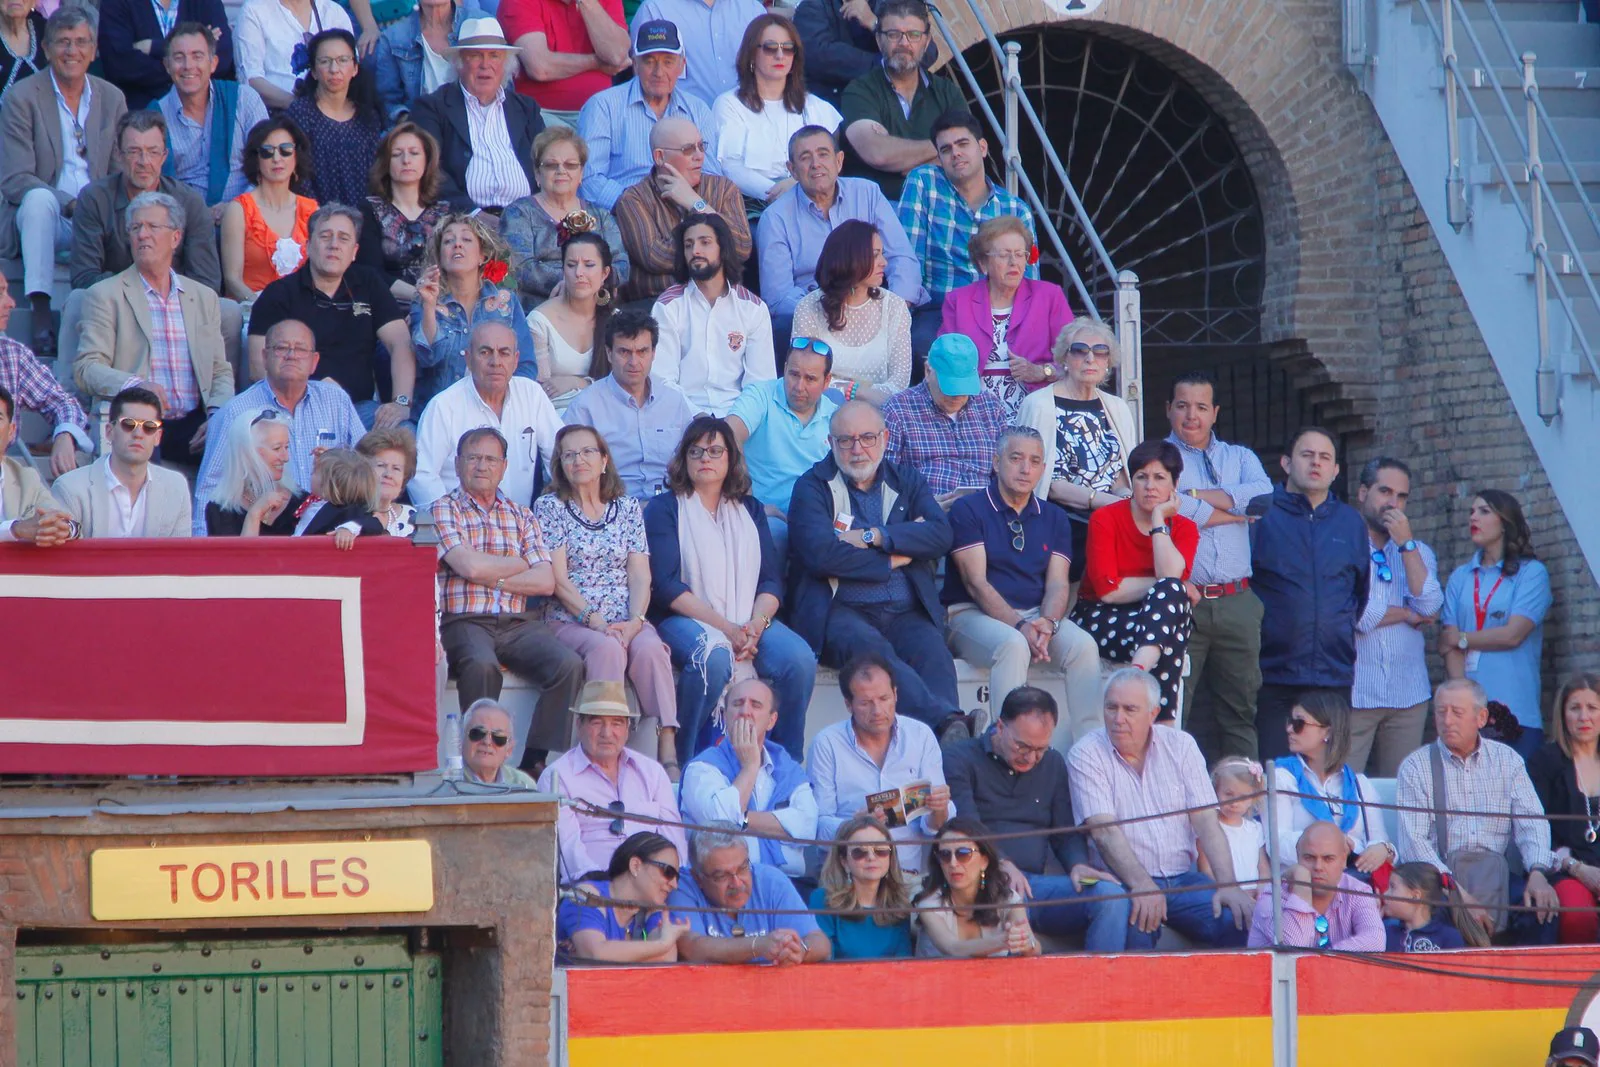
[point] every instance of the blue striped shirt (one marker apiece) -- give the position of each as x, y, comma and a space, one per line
1392, 661
191, 141
326, 406
616, 125
1224, 552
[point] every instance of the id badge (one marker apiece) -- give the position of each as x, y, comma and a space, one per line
1472, 659
843, 521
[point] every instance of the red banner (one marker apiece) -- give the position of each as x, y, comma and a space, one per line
217, 656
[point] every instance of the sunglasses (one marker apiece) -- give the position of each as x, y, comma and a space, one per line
281, 151
616, 807
149, 426
668, 871
811, 344
861, 852
955, 855
478, 733
1321, 924
267, 414
1080, 350
1385, 574
1297, 726
1018, 542
775, 48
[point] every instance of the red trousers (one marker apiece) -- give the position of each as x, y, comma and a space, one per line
1580, 927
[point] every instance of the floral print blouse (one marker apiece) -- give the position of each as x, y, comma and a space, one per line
597, 559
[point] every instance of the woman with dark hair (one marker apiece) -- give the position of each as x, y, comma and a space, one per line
867, 326
862, 875
538, 226
1132, 601
22, 31
402, 208
264, 228
755, 121
968, 907
336, 103
1492, 623
1566, 775
595, 535
1331, 790
636, 928
715, 588
569, 330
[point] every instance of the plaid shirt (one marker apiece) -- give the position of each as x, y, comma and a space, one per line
506, 529
1493, 778
170, 366
950, 451
1172, 778
940, 224
33, 387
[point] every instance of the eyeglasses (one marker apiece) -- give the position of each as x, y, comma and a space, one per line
290, 350
573, 454
703, 451
776, 48
149, 426
1024, 749
1385, 574
571, 165
1321, 924
138, 228
1018, 541
695, 148
739, 873
861, 852
1079, 350
616, 807
1010, 257
282, 151
1297, 726
478, 733
335, 62
811, 344
668, 871
848, 441
955, 855
478, 459
903, 36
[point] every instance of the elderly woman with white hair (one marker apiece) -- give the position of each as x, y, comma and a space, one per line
255, 493
487, 738
1087, 431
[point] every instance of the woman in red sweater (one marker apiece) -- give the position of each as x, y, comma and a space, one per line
1133, 600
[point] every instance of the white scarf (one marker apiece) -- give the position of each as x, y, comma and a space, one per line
720, 559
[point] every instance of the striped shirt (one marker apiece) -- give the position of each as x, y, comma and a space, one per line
939, 224
33, 387
1224, 552
191, 140
616, 125
170, 365
505, 529
1173, 778
494, 177
1492, 778
1392, 661
325, 406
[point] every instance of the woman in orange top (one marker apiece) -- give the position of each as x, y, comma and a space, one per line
1134, 600
264, 229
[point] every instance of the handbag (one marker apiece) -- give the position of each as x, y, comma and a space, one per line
1484, 875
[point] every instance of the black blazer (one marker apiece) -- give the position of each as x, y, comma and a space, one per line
443, 113
141, 77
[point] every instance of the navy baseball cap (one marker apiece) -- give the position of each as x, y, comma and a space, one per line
1575, 1043
657, 35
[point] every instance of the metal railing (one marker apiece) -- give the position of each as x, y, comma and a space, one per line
1529, 130
1017, 105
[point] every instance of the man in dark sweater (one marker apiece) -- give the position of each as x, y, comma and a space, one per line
1014, 781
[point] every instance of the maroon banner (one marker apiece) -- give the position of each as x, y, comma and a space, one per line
217, 656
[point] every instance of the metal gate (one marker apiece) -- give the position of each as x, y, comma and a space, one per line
316, 1002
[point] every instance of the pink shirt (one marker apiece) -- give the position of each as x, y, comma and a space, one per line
1354, 922
1173, 778
586, 842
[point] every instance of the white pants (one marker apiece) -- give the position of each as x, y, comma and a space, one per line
232, 315
42, 230
988, 642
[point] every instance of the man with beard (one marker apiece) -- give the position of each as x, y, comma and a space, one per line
889, 111
1390, 695
716, 335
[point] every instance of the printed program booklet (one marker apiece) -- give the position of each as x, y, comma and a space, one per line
897, 807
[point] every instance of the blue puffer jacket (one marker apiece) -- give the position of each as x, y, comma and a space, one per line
1310, 571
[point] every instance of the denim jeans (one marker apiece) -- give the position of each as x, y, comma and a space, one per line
1189, 913
783, 658
1103, 923
924, 671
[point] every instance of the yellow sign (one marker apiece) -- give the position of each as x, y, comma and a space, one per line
344, 878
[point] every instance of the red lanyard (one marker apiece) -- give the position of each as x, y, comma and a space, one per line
1480, 608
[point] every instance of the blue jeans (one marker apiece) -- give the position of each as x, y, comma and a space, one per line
783, 658
1103, 923
1524, 927
924, 672
1189, 913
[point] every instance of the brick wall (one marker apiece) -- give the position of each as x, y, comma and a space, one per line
1360, 304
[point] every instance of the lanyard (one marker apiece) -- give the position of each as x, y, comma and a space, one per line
1480, 608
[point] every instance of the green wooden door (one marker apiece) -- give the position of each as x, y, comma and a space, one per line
327, 1002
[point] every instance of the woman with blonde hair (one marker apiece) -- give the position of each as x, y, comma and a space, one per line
537, 227
862, 874
1087, 431
255, 493
459, 287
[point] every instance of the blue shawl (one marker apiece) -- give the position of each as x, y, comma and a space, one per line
1313, 801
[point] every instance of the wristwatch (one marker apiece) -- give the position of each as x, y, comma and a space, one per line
1461, 642
1055, 624
1162, 529
1409, 546
700, 207
403, 400
869, 536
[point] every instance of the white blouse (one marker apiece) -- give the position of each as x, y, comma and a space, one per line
753, 147
555, 354
267, 33
1294, 816
873, 348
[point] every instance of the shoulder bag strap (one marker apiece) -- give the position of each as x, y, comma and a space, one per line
1441, 821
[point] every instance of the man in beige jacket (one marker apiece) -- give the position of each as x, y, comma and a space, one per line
124, 494
26, 510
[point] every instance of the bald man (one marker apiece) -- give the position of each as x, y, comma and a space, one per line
677, 186
1323, 907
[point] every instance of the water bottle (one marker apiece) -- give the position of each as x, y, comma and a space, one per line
452, 746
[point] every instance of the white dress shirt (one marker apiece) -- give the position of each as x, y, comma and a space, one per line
74, 167
843, 775
127, 510
712, 351
494, 177
267, 32
528, 422
709, 797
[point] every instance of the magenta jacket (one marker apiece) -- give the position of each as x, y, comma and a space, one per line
1037, 316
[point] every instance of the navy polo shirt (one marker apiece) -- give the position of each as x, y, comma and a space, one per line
984, 519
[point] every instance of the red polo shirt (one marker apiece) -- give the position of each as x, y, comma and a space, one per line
563, 31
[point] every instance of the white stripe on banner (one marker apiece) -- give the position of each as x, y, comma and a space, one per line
204, 732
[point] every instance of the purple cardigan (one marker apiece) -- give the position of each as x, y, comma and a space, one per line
1037, 316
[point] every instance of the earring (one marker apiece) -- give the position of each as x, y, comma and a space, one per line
983, 880
603, 297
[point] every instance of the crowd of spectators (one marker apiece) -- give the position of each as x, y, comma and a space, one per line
740, 365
